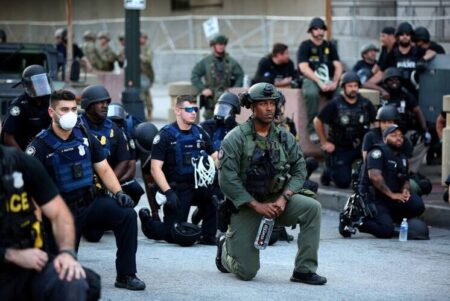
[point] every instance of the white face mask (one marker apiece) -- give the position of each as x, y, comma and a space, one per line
67, 121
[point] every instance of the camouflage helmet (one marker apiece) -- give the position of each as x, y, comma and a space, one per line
104, 34
259, 92
218, 39
89, 35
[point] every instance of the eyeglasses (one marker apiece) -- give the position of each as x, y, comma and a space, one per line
190, 109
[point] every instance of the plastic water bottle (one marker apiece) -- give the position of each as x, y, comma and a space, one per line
403, 230
264, 233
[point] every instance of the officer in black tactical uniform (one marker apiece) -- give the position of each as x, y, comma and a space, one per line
71, 155
124, 121
385, 181
349, 117
182, 166
27, 271
406, 57
27, 115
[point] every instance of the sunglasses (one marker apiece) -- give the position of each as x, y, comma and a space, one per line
190, 109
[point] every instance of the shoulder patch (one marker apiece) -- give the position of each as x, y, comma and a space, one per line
30, 150
156, 139
375, 154
15, 111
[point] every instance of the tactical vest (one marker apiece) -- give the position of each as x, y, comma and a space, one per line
103, 135
350, 123
218, 76
188, 147
395, 167
19, 227
264, 164
71, 161
319, 55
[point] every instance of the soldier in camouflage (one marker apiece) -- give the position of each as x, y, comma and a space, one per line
107, 55
89, 49
147, 74
219, 72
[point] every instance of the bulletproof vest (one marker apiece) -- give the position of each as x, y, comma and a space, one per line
395, 167
350, 123
104, 134
19, 227
188, 148
264, 163
71, 160
218, 77
218, 136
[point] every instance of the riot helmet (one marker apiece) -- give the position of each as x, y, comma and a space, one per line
317, 23
218, 39
227, 107
421, 34
417, 229
36, 81
349, 77
93, 94
185, 234
390, 73
259, 92
403, 28
387, 112
145, 132
116, 112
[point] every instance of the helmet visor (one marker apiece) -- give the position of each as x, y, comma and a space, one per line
116, 112
38, 85
222, 110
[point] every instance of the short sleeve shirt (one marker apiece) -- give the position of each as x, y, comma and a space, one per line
315, 55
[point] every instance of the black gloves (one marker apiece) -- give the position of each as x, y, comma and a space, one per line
172, 199
124, 199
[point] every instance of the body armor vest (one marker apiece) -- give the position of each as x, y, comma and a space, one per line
350, 123
19, 227
188, 148
103, 135
71, 161
264, 164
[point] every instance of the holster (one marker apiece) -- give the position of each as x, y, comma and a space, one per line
225, 209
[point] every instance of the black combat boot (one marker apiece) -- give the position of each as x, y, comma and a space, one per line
220, 241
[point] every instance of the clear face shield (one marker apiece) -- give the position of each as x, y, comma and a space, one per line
116, 112
38, 85
222, 111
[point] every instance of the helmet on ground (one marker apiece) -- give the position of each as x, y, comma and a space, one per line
403, 28
387, 112
36, 81
259, 92
422, 34
227, 105
417, 229
116, 112
349, 77
185, 234
145, 132
93, 94
317, 23
218, 39
390, 73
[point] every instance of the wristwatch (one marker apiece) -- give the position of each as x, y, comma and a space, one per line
71, 252
286, 196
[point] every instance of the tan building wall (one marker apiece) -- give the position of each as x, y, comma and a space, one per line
54, 10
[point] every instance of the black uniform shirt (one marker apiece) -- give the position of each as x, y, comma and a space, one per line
40, 150
436, 48
25, 119
118, 145
315, 55
268, 71
396, 59
374, 136
163, 149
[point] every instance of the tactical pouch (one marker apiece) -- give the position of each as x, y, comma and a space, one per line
225, 209
260, 174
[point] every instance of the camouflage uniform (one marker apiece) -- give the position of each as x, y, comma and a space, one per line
107, 57
147, 78
219, 74
91, 53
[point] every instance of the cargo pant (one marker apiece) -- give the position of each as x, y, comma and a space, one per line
240, 257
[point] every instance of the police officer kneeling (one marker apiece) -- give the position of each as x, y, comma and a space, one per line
183, 167
385, 180
261, 171
71, 156
27, 271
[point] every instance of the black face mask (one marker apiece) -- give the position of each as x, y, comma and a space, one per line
230, 122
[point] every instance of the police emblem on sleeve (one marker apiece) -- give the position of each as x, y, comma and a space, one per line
15, 111
156, 139
17, 179
376, 154
132, 145
345, 119
30, 150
